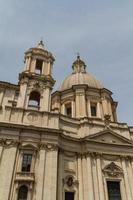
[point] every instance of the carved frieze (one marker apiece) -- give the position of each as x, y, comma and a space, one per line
48, 146
8, 143
32, 116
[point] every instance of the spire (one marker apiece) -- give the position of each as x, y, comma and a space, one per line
79, 65
40, 45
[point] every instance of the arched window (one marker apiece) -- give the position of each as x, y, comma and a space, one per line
34, 100
22, 193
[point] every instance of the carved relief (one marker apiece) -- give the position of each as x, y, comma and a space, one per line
32, 117
107, 120
112, 170
9, 143
70, 181
48, 146
36, 85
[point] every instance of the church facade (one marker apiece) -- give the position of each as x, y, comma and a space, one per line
62, 145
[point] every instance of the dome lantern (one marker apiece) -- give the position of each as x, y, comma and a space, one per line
79, 65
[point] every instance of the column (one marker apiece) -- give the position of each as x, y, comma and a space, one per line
50, 182
105, 106
1, 96
85, 179
95, 179
130, 175
80, 178
40, 173
1, 149
32, 65
100, 178
45, 100
60, 176
6, 171
127, 186
80, 103
98, 110
90, 179
88, 108
22, 95
73, 108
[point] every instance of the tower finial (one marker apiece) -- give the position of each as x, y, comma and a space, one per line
40, 44
78, 55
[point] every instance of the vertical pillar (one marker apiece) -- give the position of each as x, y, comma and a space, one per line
73, 108
45, 100
80, 103
48, 69
80, 178
40, 173
100, 178
50, 183
98, 110
1, 150
130, 175
1, 96
105, 106
85, 181
6, 171
90, 178
88, 108
95, 179
60, 177
43, 68
22, 95
128, 192
63, 109
32, 65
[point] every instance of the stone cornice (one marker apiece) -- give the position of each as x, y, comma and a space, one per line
8, 85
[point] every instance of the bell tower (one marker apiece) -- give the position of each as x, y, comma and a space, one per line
36, 81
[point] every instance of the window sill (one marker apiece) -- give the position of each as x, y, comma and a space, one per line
25, 176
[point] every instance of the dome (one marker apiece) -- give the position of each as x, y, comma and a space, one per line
80, 77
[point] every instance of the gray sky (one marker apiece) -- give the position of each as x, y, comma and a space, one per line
102, 31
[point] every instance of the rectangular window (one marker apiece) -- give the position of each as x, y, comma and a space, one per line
68, 109
93, 110
113, 190
69, 195
26, 162
38, 69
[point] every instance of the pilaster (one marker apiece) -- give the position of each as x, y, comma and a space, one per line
50, 182
90, 178
40, 174
127, 186
100, 177
80, 178
7, 160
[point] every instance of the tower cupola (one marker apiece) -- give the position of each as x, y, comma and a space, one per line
36, 81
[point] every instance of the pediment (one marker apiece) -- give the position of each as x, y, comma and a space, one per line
113, 170
110, 137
